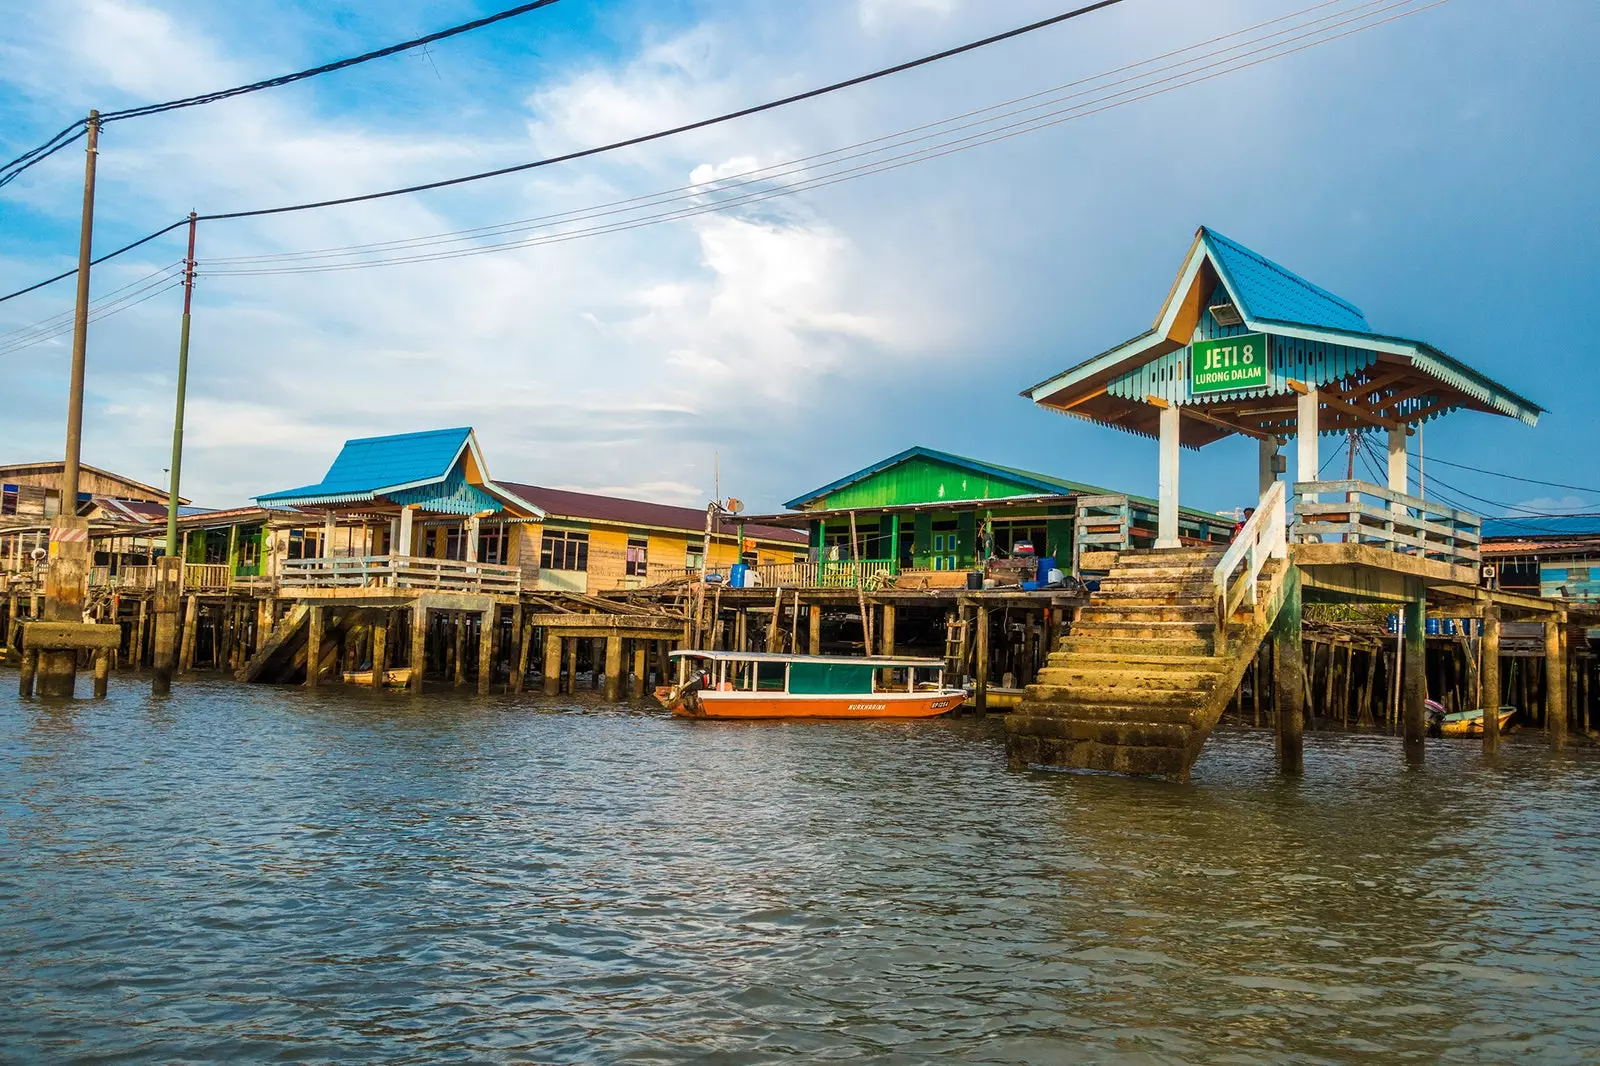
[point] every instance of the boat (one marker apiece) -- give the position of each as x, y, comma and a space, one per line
752, 685
1470, 723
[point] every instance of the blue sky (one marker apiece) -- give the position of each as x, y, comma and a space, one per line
1438, 171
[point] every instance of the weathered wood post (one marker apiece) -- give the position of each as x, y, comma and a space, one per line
572, 665
380, 649
488, 626
167, 597
1555, 683
102, 672
641, 670
1415, 680
517, 660
1489, 684
519, 676
552, 663
814, 620
419, 646
314, 626
30, 670
458, 653
136, 653
980, 702
775, 630
614, 667
191, 627
1288, 681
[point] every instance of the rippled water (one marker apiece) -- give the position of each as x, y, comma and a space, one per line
252, 874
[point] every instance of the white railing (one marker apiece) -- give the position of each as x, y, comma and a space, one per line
400, 571
1357, 512
1264, 537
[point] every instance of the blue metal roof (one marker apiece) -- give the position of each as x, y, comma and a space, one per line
1536, 526
1270, 291
370, 465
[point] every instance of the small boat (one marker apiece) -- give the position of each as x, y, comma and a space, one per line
1470, 723
732, 684
394, 677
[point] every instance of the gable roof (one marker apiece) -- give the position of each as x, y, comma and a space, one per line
566, 503
1044, 484
1270, 298
369, 467
58, 466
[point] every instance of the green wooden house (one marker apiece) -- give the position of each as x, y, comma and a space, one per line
932, 510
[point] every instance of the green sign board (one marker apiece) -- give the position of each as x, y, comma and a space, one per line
1228, 364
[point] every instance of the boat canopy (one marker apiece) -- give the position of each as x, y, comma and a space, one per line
877, 662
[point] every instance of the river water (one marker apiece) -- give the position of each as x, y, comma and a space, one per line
250, 874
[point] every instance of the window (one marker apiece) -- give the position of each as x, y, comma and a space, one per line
638, 551
1577, 574
8, 499
944, 547
492, 545
455, 543
430, 543
564, 550
695, 558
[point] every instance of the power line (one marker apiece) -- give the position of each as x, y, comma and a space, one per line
146, 239
584, 153
168, 281
1514, 477
27, 159
286, 263
57, 318
615, 145
887, 142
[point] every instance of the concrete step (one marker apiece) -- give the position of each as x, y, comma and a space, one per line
1171, 557
1159, 573
1135, 588
1091, 694
1196, 614
1133, 658
1111, 732
1134, 630
1100, 642
1121, 677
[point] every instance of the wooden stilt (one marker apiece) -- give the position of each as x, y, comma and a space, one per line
641, 669
518, 661
614, 667
814, 621
1489, 671
981, 695
191, 623
488, 626
1415, 679
102, 672
551, 679
458, 645
314, 646
572, 665
419, 646
1555, 684
1288, 683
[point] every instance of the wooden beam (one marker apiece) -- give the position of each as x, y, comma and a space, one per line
1422, 413
1231, 427
1299, 387
1156, 401
1096, 394
1359, 413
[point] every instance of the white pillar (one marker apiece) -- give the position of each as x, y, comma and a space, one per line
1265, 474
402, 546
471, 533
1306, 464
1167, 515
1397, 461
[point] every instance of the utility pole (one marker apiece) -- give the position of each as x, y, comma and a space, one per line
67, 578
169, 569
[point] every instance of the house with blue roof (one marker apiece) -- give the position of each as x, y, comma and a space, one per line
416, 494
1243, 346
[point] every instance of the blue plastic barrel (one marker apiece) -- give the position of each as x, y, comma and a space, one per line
1433, 627
736, 575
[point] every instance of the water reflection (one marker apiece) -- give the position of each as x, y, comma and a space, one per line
254, 873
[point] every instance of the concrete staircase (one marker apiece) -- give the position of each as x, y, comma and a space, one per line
1142, 679
282, 655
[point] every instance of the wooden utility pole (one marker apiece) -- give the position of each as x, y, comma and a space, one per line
80, 325
169, 568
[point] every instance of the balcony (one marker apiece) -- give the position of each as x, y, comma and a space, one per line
400, 572
1359, 513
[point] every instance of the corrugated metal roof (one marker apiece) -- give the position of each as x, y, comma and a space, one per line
565, 503
1268, 290
371, 464
1533, 527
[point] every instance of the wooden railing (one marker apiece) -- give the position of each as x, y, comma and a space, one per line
1103, 524
400, 571
1238, 572
1357, 512
832, 574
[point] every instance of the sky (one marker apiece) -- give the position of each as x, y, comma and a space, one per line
1437, 170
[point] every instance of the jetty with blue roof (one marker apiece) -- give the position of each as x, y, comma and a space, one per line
1242, 346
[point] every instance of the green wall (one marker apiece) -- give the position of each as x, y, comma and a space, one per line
923, 480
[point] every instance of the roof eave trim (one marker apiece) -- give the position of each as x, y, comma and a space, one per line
1093, 365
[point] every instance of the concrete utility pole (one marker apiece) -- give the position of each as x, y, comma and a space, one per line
66, 580
169, 568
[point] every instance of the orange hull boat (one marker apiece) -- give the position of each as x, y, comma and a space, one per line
751, 705
757, 685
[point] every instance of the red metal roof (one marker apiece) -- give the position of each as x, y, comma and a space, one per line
564, 503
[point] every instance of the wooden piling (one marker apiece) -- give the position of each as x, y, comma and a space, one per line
814, 620
380, 649
1489, 678
614, 667
191, 624
314, 627
458, 645
1414, 682
551, 679
488, 626
419, 646
641, 668
136, 653
517, 662
572, 665
30, 670
102, 672
1288, 682
980, 701
1555, 683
